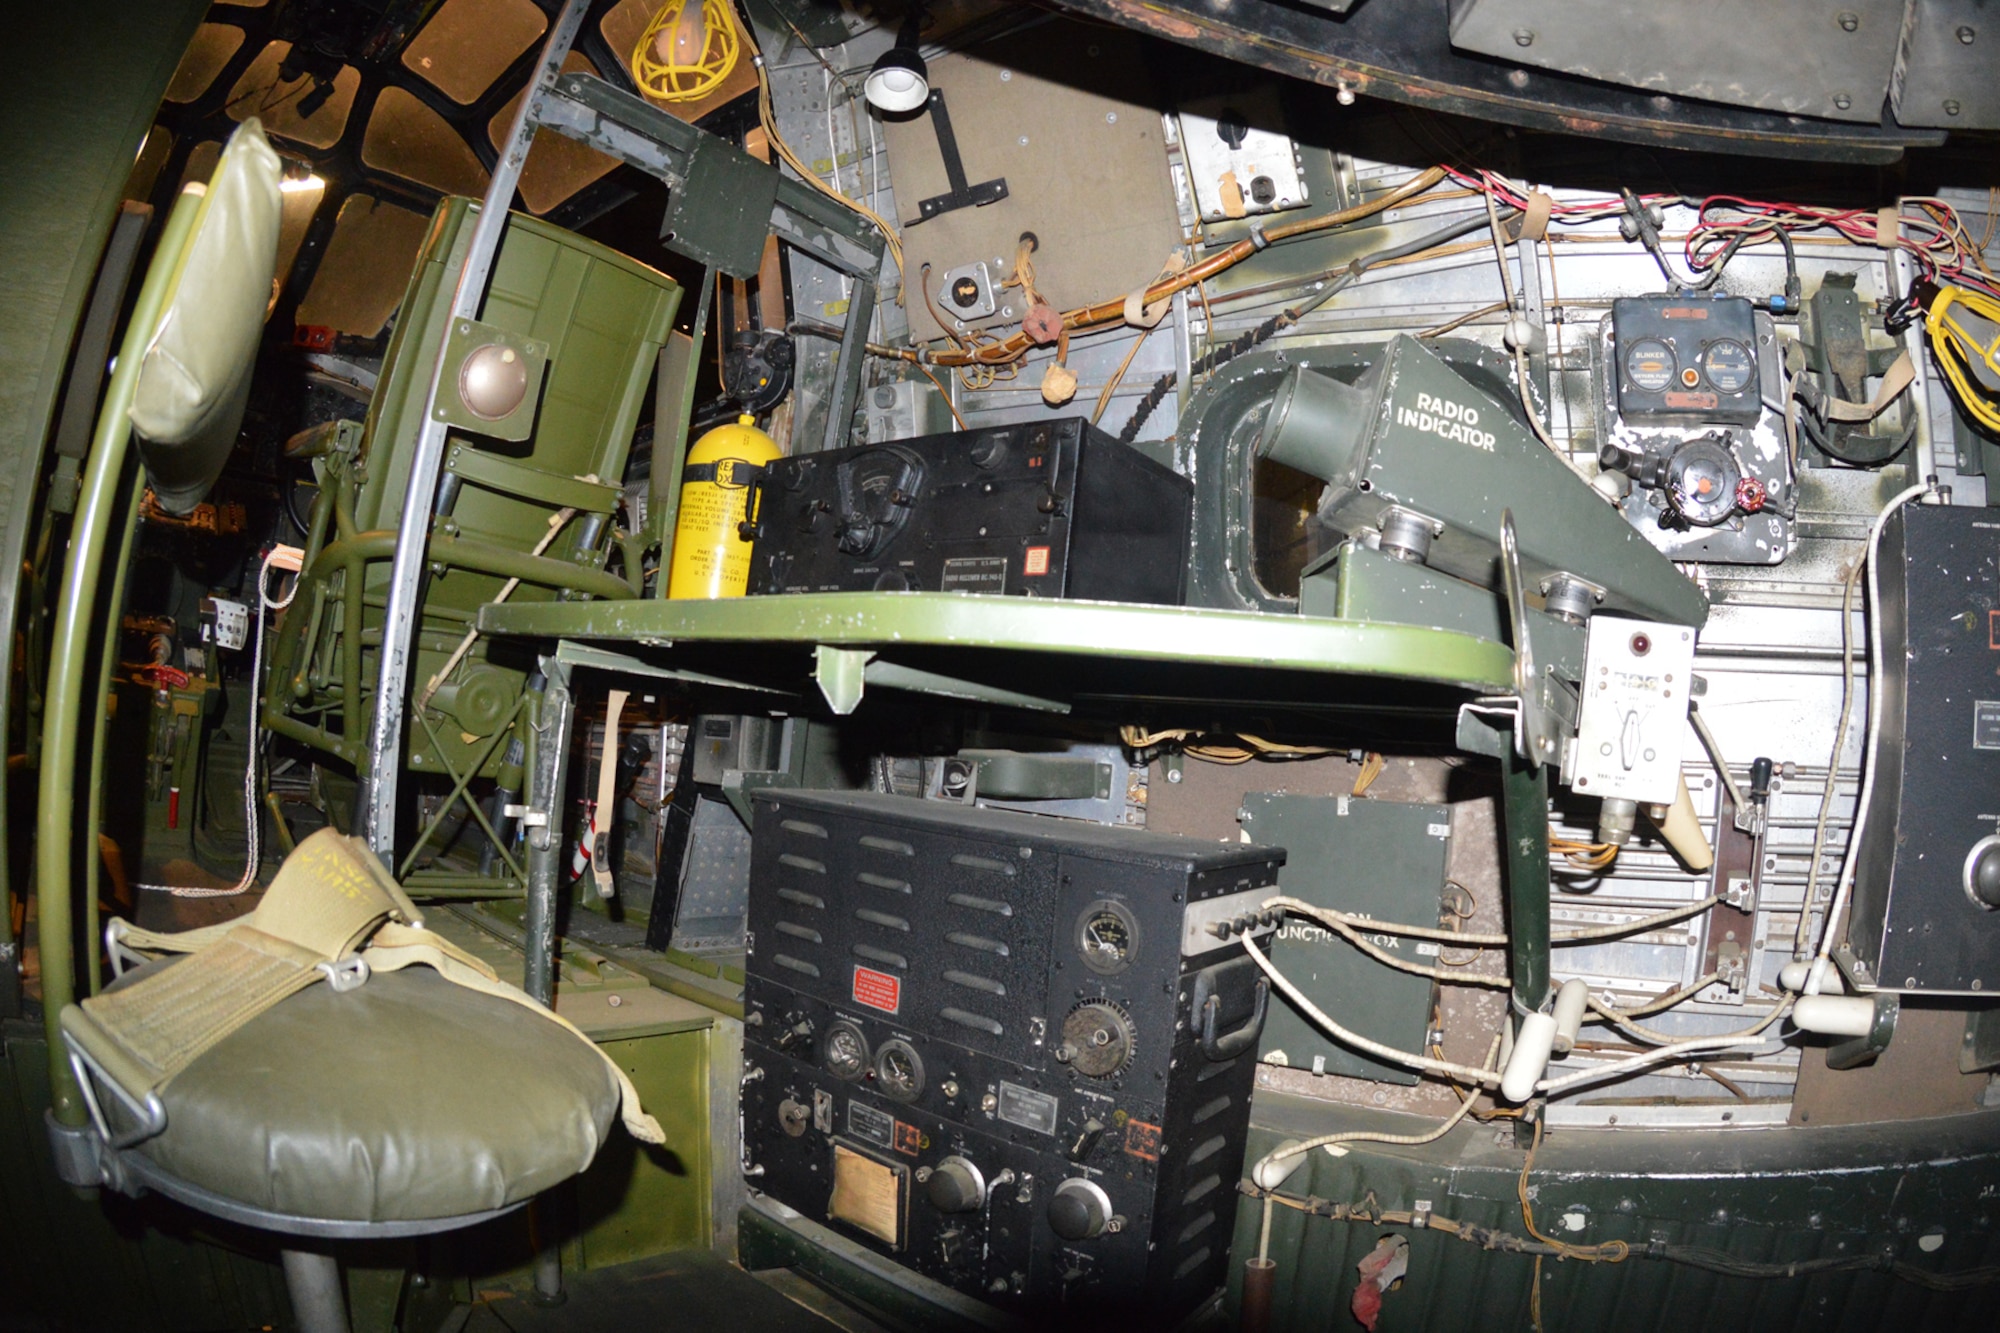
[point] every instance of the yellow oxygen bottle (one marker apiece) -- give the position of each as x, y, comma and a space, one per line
711, 559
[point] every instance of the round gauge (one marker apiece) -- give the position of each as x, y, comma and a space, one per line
845, 1051
899, 1070
1649, 364
1728, 365
1702, 477
1107, 936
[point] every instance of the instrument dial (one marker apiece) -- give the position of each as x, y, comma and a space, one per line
1649, 364
846, 1050
899, 1070
1097, 1039
1702, 478
1107, 935
1728, 366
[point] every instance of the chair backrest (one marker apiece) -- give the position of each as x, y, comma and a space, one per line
603, 316
195, 379
602, 319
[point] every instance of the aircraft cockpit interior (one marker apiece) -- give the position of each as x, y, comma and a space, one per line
887, 665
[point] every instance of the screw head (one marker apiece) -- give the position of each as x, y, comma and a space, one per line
1111, 118
1524, 37
1847, 20
1965, 36
1842, 101
1950, 106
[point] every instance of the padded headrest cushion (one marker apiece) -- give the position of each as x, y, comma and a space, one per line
195, 379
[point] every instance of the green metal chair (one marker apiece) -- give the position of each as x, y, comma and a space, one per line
419, 1099
527, 509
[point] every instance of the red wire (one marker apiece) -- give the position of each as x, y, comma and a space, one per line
1928, 230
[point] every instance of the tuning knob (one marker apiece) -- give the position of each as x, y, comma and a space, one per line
956, 1186
1982, 872
1079, 1209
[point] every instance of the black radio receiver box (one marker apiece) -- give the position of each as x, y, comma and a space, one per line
1053, 509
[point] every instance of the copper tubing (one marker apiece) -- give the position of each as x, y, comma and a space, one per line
1108, 312
1260, 1280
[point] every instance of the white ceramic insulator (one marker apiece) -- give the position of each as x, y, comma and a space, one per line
1523, 333
1530, 1060
1681, 828
1835, 1015
1269, 1175
1792, 976
1571, 1001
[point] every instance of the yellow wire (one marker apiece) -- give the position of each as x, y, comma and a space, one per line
670, 81
767, 113
1957, 347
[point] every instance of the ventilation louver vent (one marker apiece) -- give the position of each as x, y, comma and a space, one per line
965, 925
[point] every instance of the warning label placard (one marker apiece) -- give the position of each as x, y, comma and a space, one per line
878, 990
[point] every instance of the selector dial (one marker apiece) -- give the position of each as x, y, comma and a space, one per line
1079, 1209
1982, 872
956, 1186
1097, 1039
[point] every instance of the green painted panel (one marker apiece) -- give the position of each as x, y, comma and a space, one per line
1124, 632
1379, 859
638, 1200
1356, 583
1763, 1195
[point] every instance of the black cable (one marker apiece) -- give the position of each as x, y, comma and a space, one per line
1721, 262
291, 492
1335, 279
1792, 285
1718, 1261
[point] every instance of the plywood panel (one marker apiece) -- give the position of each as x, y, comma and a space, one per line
408, 139
264, 93
469, 43
1067, 114
360, 282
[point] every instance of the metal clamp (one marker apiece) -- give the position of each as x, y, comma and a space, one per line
345, 974
117, 950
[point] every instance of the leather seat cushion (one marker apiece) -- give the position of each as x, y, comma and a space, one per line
409, 1098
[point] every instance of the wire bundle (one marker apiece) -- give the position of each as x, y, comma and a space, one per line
1246, 748
1928, 228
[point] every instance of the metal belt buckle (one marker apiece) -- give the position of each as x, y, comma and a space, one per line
345, 974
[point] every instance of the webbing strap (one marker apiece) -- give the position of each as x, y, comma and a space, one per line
330, 896
1898, 378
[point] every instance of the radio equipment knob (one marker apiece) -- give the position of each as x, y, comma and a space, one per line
1079, 1209
1097, 1039
956, 1186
